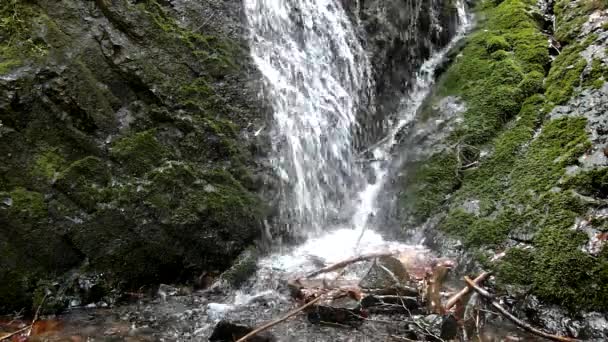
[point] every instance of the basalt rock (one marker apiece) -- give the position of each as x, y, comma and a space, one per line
126, 136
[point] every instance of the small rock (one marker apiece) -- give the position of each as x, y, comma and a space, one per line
229, 332
449, 327
383, 274
345, 311
165, 291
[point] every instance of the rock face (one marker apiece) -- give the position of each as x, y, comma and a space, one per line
400, 35
126, 142
519, 180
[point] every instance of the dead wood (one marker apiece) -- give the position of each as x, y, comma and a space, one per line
458, 296
433, 290
29, 327
8, 336
398, 290
482, 292
347, 262
279, 320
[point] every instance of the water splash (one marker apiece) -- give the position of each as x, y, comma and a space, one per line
316, 76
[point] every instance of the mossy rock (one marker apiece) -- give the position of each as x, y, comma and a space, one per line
521, 183
138, 152
84, 181
21, 204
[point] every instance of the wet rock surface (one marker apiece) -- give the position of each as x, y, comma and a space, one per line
400, 35
127, 140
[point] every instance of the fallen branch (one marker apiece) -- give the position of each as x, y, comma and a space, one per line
8, 336
400, 290
482, 292
29, 327
458, 296
279, 320
347, 262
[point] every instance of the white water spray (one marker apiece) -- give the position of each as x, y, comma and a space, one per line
316, 74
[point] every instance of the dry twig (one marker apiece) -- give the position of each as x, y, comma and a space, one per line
458, 296
26, 328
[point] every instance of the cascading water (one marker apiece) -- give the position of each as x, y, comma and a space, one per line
316, 74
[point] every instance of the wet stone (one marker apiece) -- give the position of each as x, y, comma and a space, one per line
435, 327
384, 273
343, 311
229, 332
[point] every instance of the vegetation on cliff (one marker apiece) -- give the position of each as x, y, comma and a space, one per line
121, 135
505, 180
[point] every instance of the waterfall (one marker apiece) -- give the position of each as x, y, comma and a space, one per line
316, 76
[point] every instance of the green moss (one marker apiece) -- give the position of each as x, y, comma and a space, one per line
139, 152
244, 267
84, 181
495, 43
47, 165
565, 74
17, 45
530, 47
216, 54
521, 183
561, 271
570, 17
532, 83
223, 202
457, 222
590, 183
514, 268
25, 206
597, 75
494, 84
500, 55
559, 144
428, 187
492, 178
